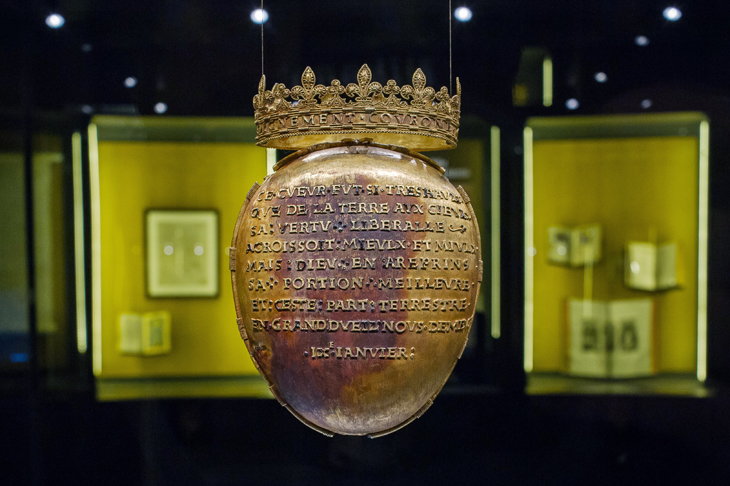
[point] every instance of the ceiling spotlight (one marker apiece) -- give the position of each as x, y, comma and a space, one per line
641, 40
55, 21
160, 108
646, 104
130, 82
672, 14
259, 16
463, 14
600, 77
572, 104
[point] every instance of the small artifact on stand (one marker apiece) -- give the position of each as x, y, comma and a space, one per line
576, 247
356, 266
653, 267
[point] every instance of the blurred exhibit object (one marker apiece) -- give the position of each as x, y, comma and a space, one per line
613, 339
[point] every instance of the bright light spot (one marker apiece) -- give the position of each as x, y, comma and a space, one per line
572, 104
672, 13
130, 82
198, 250
532, 251
259, 16
168, 250
600, 77
160, 108
463, 14
562, 250
55, 21
646, 104
641, 40
635, 267
87, 109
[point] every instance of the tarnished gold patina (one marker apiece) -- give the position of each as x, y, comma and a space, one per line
414, 116
356, 266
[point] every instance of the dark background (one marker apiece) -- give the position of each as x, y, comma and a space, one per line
203, 58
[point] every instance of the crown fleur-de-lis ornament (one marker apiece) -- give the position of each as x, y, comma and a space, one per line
356, 265
307, 91
411, 116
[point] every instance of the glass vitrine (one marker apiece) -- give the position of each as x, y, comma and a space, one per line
165, 195
616, 215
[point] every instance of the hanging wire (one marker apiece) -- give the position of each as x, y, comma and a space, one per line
262, 38
451, 76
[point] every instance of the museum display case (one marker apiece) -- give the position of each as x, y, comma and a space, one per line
616, 225
14, 327
36, 244
164, 195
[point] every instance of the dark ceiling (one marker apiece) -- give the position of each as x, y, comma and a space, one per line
203, 57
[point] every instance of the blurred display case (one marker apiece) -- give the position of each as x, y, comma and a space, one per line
164, 197
616, 224
37, 344
475, 165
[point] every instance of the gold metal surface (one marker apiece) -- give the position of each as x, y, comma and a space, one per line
356, 269
414, 116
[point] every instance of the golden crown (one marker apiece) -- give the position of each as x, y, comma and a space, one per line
414, 116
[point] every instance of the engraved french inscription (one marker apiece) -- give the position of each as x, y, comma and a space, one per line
326, 255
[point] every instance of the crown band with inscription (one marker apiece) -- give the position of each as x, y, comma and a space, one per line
414, 116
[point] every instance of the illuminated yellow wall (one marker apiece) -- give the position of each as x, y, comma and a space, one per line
636, 188
135, 176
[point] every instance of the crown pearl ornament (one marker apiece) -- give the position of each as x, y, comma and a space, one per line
414, 116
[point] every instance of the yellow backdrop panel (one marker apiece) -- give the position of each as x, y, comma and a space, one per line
136, 176
638, 189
